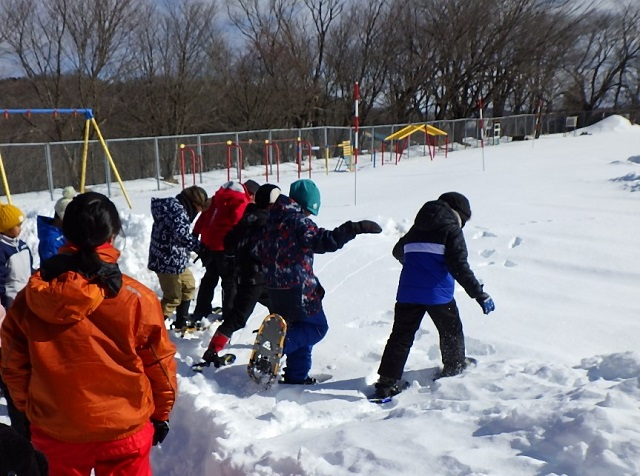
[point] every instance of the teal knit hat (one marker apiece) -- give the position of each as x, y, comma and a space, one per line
307, 195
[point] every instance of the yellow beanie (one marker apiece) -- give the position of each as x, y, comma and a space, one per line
10, 216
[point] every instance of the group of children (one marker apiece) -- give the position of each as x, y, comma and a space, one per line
260, 244
255, 239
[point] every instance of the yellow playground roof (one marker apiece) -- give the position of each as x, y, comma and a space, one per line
411, 128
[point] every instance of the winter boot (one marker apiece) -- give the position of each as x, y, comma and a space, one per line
387, 387
451, 370
182, 311
218, 341
307, 381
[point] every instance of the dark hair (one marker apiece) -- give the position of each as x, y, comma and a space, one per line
90, 220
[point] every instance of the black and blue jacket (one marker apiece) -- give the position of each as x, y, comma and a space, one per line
434, 254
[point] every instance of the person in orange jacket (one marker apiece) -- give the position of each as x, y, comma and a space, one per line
86, 354
226, 210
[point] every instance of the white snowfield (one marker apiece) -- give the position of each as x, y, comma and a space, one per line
554, 238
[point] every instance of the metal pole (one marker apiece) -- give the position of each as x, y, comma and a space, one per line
157, 154
481, 132
47, 158
356, 95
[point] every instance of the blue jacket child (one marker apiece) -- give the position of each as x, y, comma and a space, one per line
50, 237
434, 255
286, 252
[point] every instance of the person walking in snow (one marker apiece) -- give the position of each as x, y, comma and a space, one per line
86, 353
250, 282
171, 245
227, 207
433, 254
286, 252
50, 237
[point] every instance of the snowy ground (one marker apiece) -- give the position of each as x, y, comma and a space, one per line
554, 238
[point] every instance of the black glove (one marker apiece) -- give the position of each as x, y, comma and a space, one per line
205, 255
160, 431
366, 226
486, 303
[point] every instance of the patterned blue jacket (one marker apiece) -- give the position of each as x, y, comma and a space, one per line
286, 253
171, 237
433, 254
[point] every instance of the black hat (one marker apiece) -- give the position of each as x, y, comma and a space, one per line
266, 195
252, 186
459, 203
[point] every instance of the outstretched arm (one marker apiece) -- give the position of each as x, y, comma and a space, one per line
323, 241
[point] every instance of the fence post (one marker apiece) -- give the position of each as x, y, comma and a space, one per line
107, 172
199, 152
157, 154
47, 157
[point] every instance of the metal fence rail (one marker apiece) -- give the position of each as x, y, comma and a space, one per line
49, 166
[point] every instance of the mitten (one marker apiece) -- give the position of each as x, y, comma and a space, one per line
486, 303
160, 431
366, 226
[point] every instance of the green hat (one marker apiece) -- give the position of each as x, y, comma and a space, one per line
307, 195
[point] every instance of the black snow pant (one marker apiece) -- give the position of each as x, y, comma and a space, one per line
244, 302
18, 419
217, 270
406, 323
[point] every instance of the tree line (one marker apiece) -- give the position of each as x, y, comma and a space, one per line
172, 67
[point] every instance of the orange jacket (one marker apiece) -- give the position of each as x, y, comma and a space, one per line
86, 368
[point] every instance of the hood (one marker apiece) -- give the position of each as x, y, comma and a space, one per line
45, 224
229, 198
159, 207
434, 215
70, 296
282, 208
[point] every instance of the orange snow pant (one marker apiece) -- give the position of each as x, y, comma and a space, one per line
126, 457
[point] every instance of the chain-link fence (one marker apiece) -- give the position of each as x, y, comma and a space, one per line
49, 166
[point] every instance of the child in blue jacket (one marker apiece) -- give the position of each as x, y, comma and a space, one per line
433, 254
50, 237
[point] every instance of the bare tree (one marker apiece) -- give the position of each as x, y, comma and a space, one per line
178, 64
600, 58
98, 50
36, 37
290, 39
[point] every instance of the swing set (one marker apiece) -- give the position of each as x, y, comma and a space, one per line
89, 123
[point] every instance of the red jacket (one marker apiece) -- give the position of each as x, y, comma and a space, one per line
83, 367
227, 207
